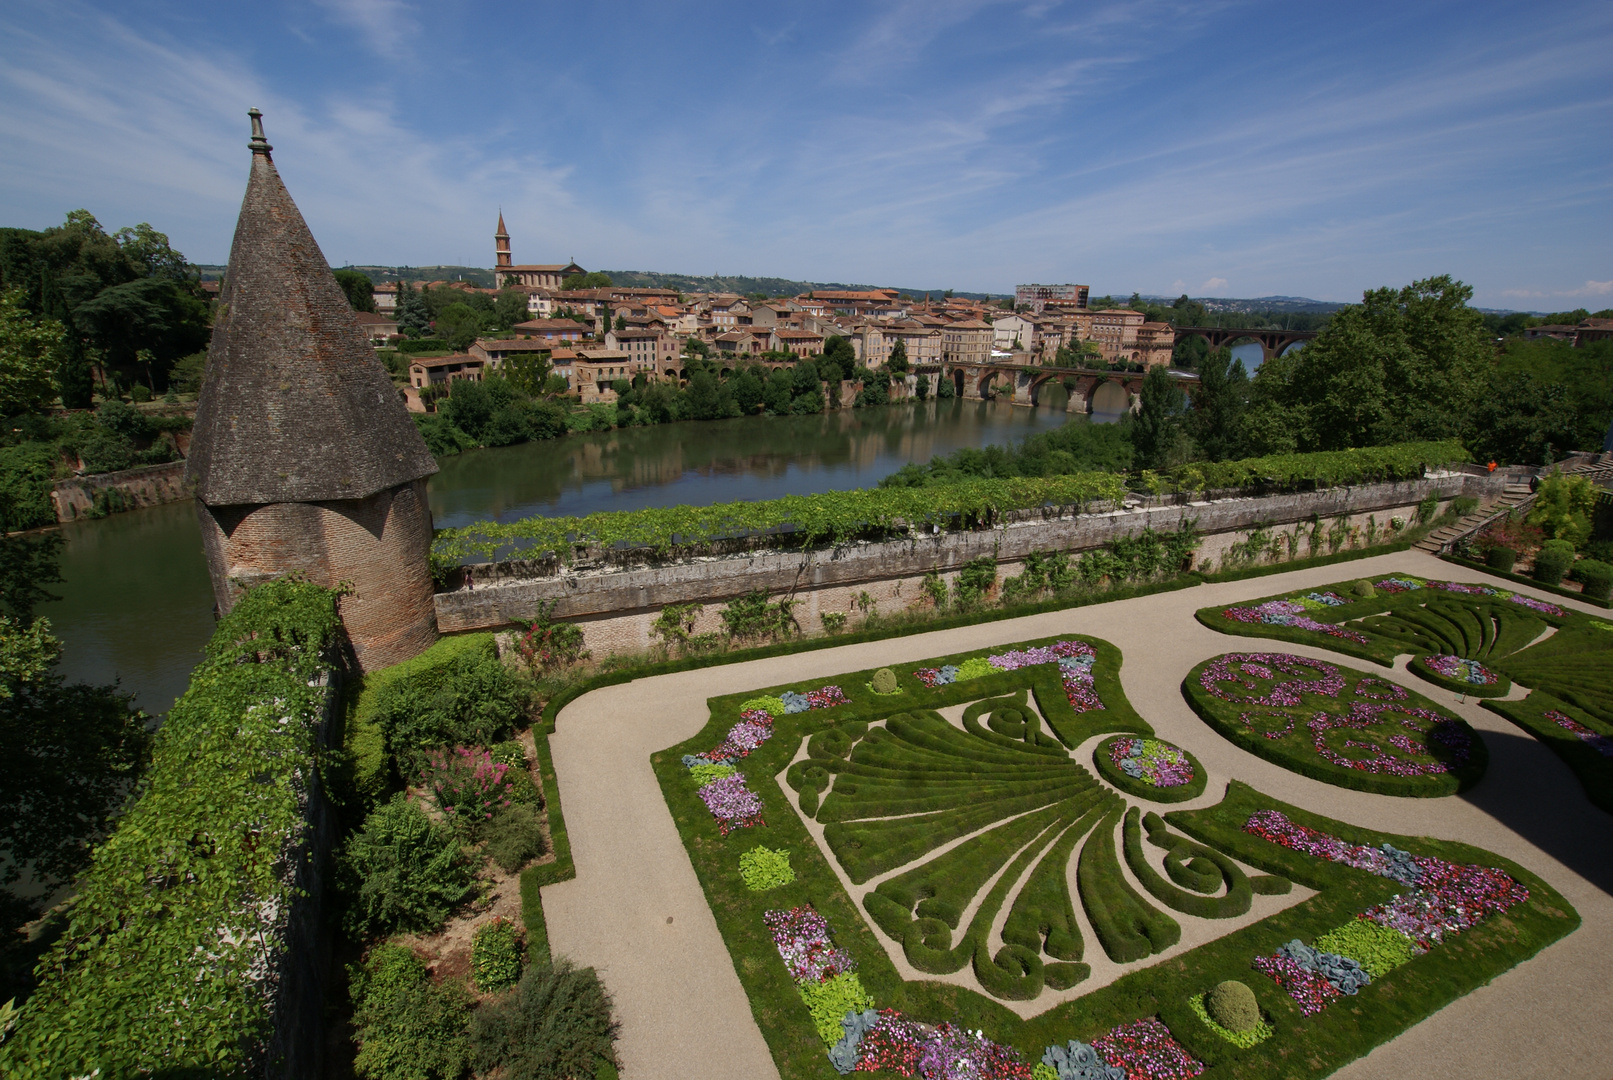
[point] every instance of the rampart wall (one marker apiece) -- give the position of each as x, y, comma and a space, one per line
150, 485
615, 597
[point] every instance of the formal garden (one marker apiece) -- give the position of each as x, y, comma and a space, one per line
971, 866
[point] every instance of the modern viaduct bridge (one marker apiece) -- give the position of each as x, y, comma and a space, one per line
1272, 342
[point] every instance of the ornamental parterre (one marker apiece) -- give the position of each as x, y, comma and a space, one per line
802, 938
1074, 658
1460, 669
1156, 763
1290, 613
1146, 1050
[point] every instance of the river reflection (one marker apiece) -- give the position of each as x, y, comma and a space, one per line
137, 605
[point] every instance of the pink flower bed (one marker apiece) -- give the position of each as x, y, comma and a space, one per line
1600, 743
1433, 727
1458, 669
734, 805
1310, 988
1074, 658
1243, 669
754, 728
1290, 613
801, 936
1535, 605
1146, 1050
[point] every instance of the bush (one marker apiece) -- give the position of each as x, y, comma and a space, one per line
1595, 577
406, 1027
105, 451
1553, 561
1502, 559
495, 956
469, 785
555, 1025
403, 871
472, 700
514, 837
140, 393
762, 869
884, 682
25, 486
1232, 1005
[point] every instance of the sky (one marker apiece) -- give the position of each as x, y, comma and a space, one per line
1207, 147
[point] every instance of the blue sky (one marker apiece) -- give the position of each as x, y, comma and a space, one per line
1237, 149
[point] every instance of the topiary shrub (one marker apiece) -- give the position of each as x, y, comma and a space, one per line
514, 837
402, 871
884, 682
1595, 578
555, 1025
1363, 590
406, 1027
1502, 559
1553, 561
1232, 1005
495, 956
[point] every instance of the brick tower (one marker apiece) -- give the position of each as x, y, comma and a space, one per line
501, 251
303, 458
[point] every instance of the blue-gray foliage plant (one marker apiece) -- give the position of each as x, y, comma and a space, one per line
843, 1054
1079, 1061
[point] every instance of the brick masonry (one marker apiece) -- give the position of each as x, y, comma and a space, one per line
379, 547
616, 604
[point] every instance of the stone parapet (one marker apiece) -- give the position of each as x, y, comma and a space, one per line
150, 485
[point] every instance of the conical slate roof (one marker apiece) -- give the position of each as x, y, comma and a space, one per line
295, 406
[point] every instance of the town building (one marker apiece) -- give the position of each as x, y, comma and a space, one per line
380, 329
1037, 297
966, 342
552, 329
441, 370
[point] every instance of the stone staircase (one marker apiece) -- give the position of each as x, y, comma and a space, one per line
1513, 497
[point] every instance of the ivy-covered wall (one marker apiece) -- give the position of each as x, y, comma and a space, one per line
193, 944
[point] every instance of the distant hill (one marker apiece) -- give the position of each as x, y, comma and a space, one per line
1296, 304
476, 275
772, 286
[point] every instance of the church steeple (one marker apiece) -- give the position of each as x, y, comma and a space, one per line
501, 245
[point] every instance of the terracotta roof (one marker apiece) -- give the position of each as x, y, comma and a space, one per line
446, 361
367, 318
295, 406
532, 326
514, 345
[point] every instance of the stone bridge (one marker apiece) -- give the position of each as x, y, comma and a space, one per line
1090, 389
1272, 342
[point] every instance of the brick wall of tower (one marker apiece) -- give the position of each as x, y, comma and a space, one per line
379, 547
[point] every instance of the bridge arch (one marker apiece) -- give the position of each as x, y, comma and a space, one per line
1110, 398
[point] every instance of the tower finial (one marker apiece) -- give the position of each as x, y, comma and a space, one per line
259, 144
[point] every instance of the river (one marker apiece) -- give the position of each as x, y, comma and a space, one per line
137, 605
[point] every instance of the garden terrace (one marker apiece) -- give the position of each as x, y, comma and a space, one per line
951, 810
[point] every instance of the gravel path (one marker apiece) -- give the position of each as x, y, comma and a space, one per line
636, 912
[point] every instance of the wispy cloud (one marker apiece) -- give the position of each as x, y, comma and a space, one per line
385, 26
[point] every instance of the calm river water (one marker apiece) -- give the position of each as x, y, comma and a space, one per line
137, 606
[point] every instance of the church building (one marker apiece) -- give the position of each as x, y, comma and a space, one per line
535, 276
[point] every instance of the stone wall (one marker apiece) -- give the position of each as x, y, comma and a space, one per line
75, 498
616, 601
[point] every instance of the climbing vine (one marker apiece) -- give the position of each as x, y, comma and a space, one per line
162, 961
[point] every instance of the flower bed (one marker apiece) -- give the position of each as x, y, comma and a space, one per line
1291, 613
734, 805
1075, 660
1149, 768
762, 868
1600, 743
1462, 675
1146, 1050
1336, 724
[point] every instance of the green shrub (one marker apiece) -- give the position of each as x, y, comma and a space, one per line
1553, 561
884, 682
833, 621
1502, 559
514, 837
406, 1027
1232, 1005
1596, 578
555, 1025
25, 486
403, 871
140, 393
1127, 927
1199, 868
829, 1001
495, 956
472, 700
1363, 590
104, 451
1243, 1040
1377, 948
973, 668
762, 869
753, 618
1428, 508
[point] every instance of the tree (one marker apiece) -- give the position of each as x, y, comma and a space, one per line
595, 280
839, 359
459, 325
779, 392
1154, 429
897, 361
703, 398
72, 754
150, 315
1218, 406
528, 372
74, 382
509, 308
621, 323
414, 318
27, 356
359, 288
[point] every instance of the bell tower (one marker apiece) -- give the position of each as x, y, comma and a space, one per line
501, 248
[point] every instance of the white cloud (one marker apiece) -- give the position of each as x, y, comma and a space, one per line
384, 25
1592, 288
1214, 285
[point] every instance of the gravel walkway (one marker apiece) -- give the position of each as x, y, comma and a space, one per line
636, 912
